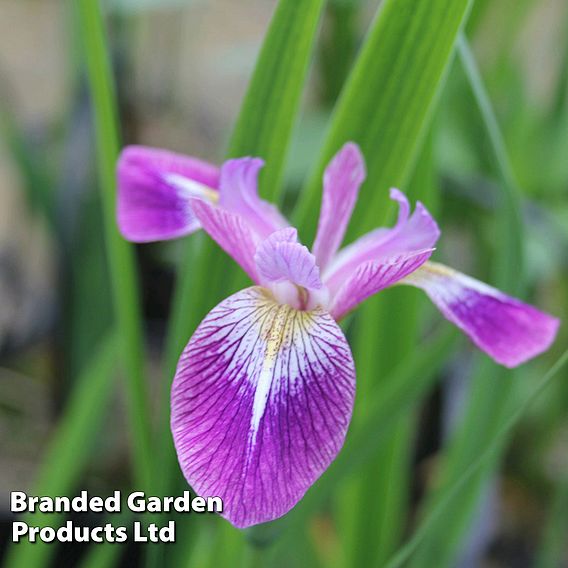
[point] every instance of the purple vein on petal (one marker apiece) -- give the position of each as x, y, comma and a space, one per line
411, 234
152, 198
508, 330
261, 402
280, 257
341, 182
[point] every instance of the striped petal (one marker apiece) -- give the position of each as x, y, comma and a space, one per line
261, 402
154, 192
341, 182
231, 232
411, 234
281, 257
372, 277
508, 330
239, 195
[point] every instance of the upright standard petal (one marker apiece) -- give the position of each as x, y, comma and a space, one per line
341, 182
154, 192
239, 194
281, 257
261, 402
372, 277
411, 234
508, 330
231, 233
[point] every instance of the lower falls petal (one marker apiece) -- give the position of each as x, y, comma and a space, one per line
261, 402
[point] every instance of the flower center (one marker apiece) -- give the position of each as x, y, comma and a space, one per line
298, 297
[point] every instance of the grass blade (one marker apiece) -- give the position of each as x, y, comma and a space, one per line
511, 262
385, 107
388, 99
493, 388
554, 541
269, 110
70, 448
484, 459
377, 349
37, 184
120, 253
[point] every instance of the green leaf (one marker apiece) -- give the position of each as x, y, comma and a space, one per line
493, 387
70, 448
483, 459
268, 114
377, 348
120, 253
554, 540
387, 101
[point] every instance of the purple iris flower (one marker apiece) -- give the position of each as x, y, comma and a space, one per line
263, 393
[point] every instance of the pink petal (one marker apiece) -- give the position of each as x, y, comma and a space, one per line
281, 257
341, 182
238, 190
508, 330
371, 277
154, 187
261, 402
410, 235
231, 233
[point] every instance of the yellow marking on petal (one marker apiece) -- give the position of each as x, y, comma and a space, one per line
191, 188
428, 269
277, 334
274, 342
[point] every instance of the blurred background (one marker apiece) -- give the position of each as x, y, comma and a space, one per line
181, 70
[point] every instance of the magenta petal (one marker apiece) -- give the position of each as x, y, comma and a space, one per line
152, 201
508, 330
239, 194
410, 235
341, 182
281, 257
372, 277
261, 402
231, 233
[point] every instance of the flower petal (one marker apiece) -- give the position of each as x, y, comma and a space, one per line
372, 277
508, 330
154, 187
341, 182
281, 257
238, 191
231, 233
410, 235
261, 402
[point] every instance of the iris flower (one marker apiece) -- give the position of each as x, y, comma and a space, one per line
264, 390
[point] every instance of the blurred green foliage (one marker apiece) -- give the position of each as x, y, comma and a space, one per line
443, 102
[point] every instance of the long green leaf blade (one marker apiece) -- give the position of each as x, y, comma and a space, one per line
270, 108
493, 388
120, 253
482, 460
70, 448
387, 101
